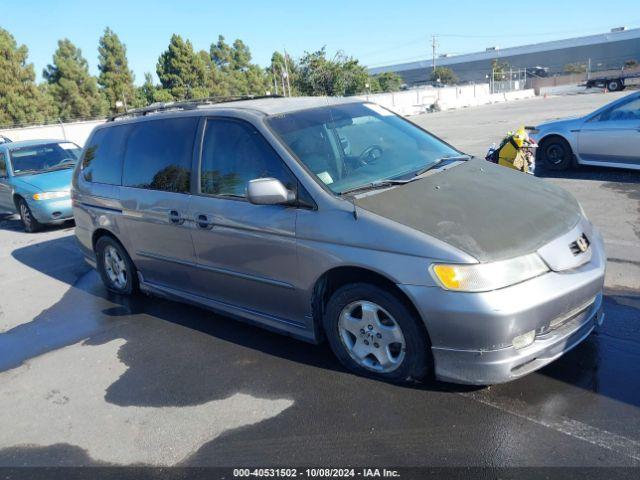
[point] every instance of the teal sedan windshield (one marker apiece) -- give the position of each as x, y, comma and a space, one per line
357, 144
45, 157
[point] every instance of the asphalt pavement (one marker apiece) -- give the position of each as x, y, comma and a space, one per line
90, 378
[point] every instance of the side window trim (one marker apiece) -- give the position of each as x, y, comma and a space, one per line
198, 186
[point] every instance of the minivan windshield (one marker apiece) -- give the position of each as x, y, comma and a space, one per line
357, 144
44, 157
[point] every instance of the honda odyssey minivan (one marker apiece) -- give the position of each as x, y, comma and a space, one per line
336, 219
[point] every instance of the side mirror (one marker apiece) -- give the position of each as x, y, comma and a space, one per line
268, 191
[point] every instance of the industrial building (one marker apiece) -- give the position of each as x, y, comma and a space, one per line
606, 51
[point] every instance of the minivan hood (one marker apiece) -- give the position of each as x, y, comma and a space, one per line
47, 181
490, 212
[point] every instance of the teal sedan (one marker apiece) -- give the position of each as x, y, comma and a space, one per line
35, 179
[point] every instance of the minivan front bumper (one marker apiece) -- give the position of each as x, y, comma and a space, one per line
472, 333
498, 366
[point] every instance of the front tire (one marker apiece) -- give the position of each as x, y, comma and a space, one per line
373, 333
556, 154
116, 268
29, 222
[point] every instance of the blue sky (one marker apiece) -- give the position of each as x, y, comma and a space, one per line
376, 32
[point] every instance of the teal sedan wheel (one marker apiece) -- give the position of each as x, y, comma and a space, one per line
29, 222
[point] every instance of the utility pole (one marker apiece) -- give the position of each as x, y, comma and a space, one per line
434, 44
275, 83
286, 69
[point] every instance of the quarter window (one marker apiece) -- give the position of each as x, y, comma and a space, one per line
234, 152
102, 158
159, 154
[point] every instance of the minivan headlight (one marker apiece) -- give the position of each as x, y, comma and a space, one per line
49, 195
482, 277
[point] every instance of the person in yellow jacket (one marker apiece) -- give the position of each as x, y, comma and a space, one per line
516, 151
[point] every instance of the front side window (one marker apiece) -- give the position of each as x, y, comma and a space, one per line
159, 153
627, 111
102, 159
44, 158
234, 152
352, 145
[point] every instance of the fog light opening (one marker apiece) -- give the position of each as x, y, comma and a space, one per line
524, 340
56, 214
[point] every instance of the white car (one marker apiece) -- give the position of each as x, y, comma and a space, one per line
608, 137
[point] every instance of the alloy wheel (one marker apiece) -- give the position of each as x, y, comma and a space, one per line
371, 336
25, 214
115, 267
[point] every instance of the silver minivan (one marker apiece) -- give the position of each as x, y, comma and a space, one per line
336, 219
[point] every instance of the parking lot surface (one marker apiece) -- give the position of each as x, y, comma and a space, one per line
88, 378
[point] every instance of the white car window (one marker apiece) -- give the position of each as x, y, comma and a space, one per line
627, 111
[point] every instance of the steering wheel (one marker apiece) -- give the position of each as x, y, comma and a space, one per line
370, 154
64, 161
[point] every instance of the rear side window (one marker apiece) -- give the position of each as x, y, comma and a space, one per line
159, 154
102, 159
3, 166
234, 152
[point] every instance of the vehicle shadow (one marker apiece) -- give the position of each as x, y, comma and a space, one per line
11, 222
591, 173
165, 339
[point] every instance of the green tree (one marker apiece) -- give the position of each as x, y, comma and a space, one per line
387, 82
632, 63
499, 70
116, 79
21, 100
73, 89
443, 75
342, 75
181, 71
149, 93
232, 70
575, 68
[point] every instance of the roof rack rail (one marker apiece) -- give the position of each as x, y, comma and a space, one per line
186, 105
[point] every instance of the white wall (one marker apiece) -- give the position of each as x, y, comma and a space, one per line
408, 102
76, 132
413, 102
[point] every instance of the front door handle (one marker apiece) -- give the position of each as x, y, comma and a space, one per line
175, 217
202, 221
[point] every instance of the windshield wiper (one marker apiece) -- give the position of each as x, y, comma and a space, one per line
390, 183
374, 185
60, 167
440, 161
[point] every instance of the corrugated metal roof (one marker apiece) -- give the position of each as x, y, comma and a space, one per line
598, 39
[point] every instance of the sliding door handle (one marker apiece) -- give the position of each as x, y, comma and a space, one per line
203, 222
175, 217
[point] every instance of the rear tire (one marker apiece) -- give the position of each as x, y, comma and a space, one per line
556, 154
375, 334
615, 85
116, 268
29, 222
